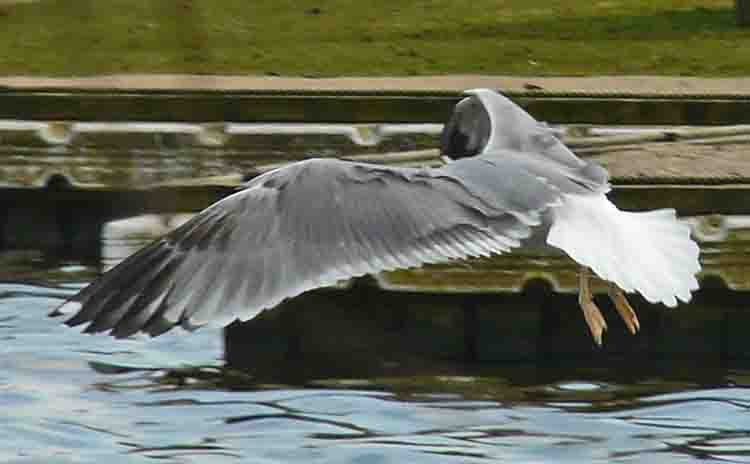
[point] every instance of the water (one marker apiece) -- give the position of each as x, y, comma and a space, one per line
68, 397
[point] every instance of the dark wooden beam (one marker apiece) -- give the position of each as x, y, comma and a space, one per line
393, 107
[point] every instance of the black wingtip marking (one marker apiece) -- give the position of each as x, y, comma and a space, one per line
81, 317
158, 326
56, 312
120, 332
92, 329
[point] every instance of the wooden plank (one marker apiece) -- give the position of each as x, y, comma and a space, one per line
222, 107
687, 199
356, 108
639, 111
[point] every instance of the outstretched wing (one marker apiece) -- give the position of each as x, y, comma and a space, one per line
310, 225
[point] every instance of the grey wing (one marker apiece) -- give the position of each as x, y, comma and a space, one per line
309, 225
513, 129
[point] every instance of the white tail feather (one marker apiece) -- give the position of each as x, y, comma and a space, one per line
650, 252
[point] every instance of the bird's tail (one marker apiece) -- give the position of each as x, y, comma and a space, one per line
649, 252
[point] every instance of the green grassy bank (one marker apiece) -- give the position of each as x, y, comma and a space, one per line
387, 37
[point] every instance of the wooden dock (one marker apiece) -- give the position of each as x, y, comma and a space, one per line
73, 161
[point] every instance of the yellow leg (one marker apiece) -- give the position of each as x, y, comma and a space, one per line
591, 313
623, 307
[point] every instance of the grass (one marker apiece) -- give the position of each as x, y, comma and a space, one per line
386, 37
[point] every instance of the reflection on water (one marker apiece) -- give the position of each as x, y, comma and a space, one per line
69, 397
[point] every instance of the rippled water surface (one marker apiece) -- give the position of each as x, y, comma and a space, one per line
68, 397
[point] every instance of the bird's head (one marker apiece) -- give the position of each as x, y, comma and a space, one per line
467, 131
487, 122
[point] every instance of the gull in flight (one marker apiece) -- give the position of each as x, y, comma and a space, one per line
309, 224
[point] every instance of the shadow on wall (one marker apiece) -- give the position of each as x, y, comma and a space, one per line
365, 331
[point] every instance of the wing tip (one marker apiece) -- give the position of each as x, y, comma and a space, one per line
79, 315
67, 308
158, 326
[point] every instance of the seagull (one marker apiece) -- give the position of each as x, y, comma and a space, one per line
509, 182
